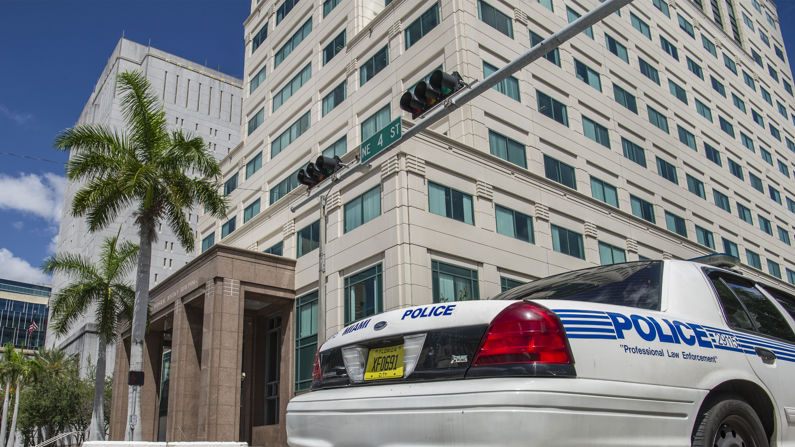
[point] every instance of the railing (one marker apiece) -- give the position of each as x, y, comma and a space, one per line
57, 438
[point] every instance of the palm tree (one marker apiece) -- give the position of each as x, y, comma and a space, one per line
146, 168
102, 285
20, 369
6, 371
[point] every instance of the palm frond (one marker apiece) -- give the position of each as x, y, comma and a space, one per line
69, 303
207, 195
141, 110
73, 265
187, 152
93, 138
100, 201
178, 223
125, 302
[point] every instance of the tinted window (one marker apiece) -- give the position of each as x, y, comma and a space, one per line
786, 300
760, 312
633, 284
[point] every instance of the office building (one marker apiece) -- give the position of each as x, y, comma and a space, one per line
667, 131
23, 314
196, 99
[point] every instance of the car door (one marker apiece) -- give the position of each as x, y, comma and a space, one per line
768, 339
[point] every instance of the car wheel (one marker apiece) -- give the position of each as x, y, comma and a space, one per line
730, 422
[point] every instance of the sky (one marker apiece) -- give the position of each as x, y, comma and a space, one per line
51, 55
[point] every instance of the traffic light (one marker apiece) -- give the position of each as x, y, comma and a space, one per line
318, 171
427, 94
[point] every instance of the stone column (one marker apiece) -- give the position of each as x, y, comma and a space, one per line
183, 402
221, 361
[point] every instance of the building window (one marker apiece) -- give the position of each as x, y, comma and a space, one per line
726, 126
765, 225
376, 122
567, 242
329, 5
705, 237
424, 24
610, 254
766, 156
640, 25
736, 169
508, 86
552, 108
306, 315
695, 186
292, 87
547, 4
712, 154
616, 48
256, 120
687, 138
230, 185
729, 63
649, 71
678, 91
334, 47
251, 211
284, 9
642, 209
508, 283
514, 224
363, 294
753, 259
703, 110
495, 18
634, 152
658, 119
749, 80
718, 86
208, 241
625, 98
337, 148
662, 6
256, 80
291, 134
745, 214
603, 191
553, 56
721, 200
573, 15
275, 249
667, 170
747, 142
774, 194
254, 165
708, 45
282, 188
453, 283
774, 269
756, 182
228, 227
363, 209
739, 103
292, 43
782, 167
783, 235
730, 248
669, 48
507, 149
587, 75
791, 276
595, 131
335, 97
766, 95
774, 131
686, 26
259, 38
694, 67
560, 172
450, 203
374, 65
308, 239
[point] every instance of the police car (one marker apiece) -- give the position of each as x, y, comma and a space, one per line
653, 353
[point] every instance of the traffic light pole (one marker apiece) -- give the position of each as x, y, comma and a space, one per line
448, 106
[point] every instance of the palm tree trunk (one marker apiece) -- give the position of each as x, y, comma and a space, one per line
13, 430
96, 431
5, 414
133, 432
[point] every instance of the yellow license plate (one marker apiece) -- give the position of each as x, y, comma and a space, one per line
384, 363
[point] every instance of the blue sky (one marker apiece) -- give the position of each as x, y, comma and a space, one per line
51, 55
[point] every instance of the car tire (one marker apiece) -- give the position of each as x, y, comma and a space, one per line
730, 421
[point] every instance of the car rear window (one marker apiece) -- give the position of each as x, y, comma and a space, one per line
786, 300
632, 284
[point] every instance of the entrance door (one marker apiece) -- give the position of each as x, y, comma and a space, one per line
162, 410
273, 350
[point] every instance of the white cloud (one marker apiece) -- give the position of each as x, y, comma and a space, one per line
21, 118
53, 245
17, 269
41, 195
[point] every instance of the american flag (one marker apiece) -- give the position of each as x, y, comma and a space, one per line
33, 326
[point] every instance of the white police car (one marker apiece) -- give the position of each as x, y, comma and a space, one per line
654, 353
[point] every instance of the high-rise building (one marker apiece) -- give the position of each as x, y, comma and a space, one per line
665, 131
23, 314
196, 99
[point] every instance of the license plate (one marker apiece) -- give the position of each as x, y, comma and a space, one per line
384, 363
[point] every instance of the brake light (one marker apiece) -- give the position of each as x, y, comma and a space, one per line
317, 375
524, 332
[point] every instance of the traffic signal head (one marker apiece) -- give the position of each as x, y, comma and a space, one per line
318, 171
305, 178
328, 165
446, 83
427, 94
412, 104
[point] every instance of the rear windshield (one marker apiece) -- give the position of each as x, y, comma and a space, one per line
633, 284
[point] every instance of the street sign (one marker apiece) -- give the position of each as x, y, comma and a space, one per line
381, 140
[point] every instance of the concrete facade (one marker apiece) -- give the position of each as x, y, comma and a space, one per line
196, 99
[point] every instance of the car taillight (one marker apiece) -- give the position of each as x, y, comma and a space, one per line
524, 332
317, 375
